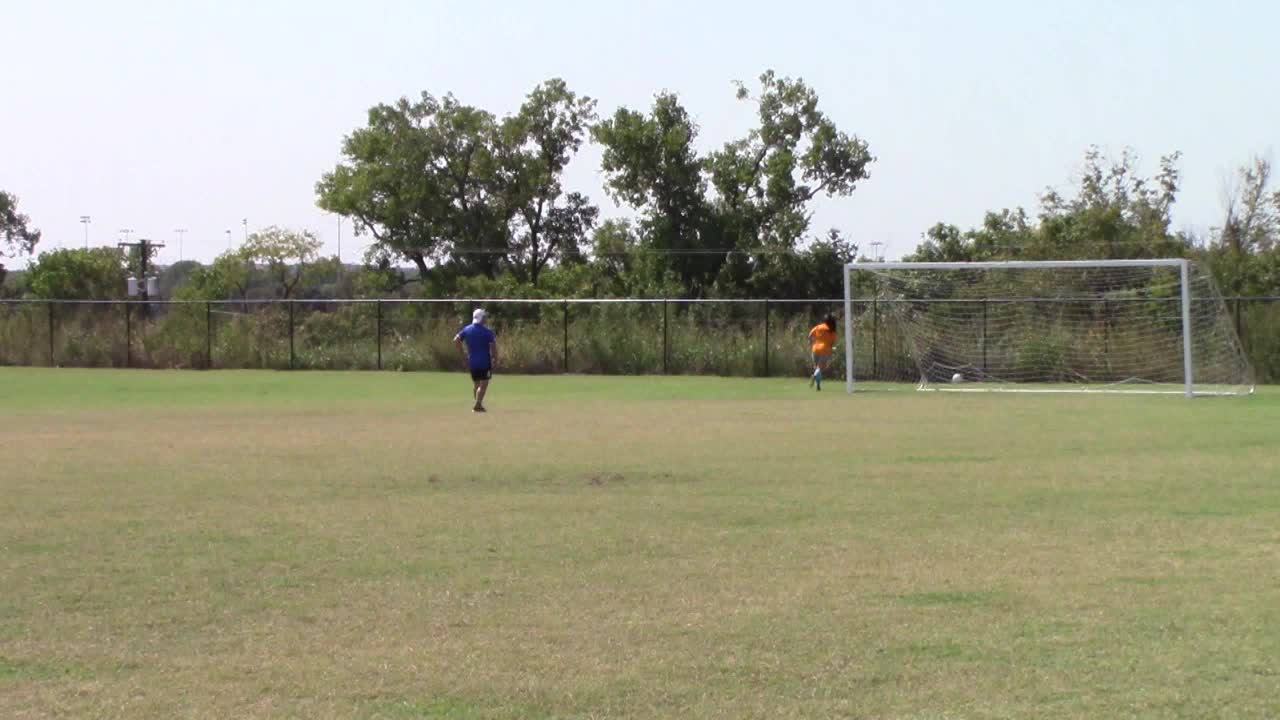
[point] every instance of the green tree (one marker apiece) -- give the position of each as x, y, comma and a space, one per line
285, 255
421, 179
177, 275
1252, 209
765, 180
762, 183
811, 272
17, 237
651, 165
94, 274
1112, 213
409, 174
229, 277
537, 144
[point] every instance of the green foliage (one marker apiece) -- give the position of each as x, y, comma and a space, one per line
176, 275
536, 144
17, 237
285, 255
437, 181
95, 274
1113, 213
762, 185
765, 180
1252, 212
228, 277
651, 165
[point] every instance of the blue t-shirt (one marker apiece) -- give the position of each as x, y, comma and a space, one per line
477, 339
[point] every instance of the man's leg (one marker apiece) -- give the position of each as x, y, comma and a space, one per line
481, 388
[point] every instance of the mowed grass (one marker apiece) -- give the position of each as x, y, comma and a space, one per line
314, 545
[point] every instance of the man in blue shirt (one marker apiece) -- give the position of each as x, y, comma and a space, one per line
479, 346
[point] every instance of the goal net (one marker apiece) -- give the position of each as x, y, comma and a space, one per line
1106, 325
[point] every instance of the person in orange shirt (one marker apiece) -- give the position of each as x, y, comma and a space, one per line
822, 340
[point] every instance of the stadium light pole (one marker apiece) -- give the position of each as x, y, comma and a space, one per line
84, 220
875, 251
180, 232
229, 239
126, 232
245, 224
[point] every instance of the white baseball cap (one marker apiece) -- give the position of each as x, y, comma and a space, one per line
477, 316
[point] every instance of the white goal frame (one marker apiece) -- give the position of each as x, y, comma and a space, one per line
1182, 264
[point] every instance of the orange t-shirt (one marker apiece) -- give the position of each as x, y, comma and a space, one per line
824, 339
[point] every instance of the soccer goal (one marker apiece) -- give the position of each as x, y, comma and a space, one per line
1145, 326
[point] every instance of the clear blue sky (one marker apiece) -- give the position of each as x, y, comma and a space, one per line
160, 115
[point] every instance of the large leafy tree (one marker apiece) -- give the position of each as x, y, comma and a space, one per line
413, 177
436, 181
650, 164
537, 144
751, 195
17, 237
765, 180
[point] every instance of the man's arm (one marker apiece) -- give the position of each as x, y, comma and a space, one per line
493, 353
457, 342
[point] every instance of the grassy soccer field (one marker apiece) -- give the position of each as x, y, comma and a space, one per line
256, 544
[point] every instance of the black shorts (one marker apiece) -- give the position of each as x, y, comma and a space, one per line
481, 374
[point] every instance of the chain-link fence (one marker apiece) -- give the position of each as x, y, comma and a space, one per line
706, 337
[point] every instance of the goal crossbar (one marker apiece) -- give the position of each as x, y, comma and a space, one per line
1013, 264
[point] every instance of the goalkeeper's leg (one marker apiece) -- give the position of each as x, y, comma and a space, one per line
820, 364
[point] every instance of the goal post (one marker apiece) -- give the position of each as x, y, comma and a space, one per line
1150, 326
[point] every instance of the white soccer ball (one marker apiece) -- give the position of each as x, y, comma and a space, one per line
957, 378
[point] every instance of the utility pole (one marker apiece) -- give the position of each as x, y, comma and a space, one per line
339, 248
84, 220
181, 232
144, 247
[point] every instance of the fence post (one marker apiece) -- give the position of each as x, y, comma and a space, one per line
665, 339
875, 337
766, 337
290, 334
128, 335
378, 304
208, 335
565, 304
51, 358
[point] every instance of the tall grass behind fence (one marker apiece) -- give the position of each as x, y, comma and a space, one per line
736, 338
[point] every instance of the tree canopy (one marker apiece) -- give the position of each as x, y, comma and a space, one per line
17, 237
